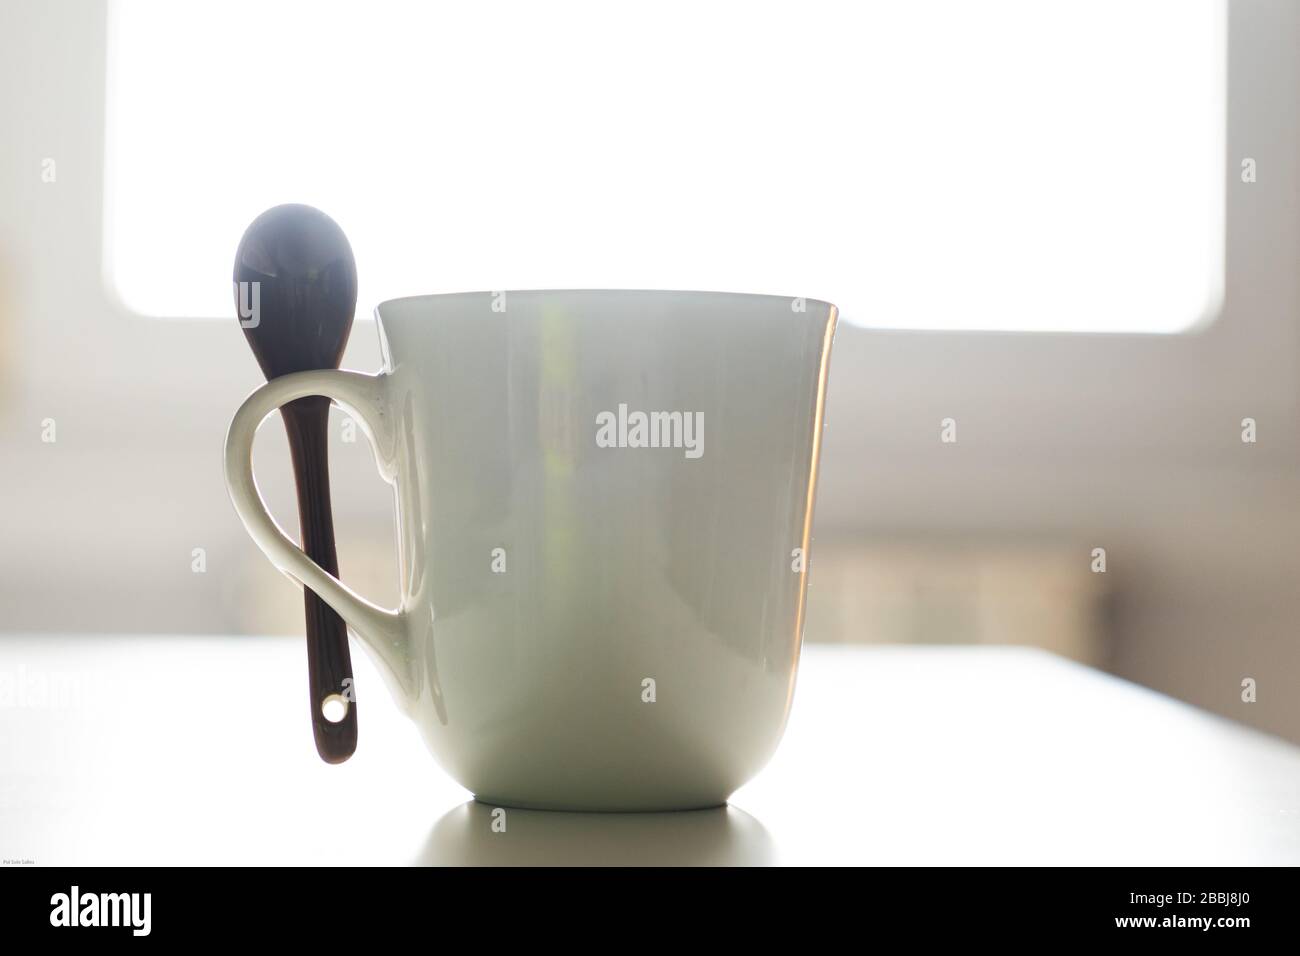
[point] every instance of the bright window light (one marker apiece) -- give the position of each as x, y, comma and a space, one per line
1003, 164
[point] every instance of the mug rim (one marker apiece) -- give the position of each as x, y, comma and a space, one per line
704, 293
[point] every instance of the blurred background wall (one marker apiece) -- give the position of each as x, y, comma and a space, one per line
1067, 442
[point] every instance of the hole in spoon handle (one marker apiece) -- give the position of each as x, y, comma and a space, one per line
329, 663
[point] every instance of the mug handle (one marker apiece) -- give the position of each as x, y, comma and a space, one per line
365, 397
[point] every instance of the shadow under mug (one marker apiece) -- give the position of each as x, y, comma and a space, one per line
475, 834
604, 510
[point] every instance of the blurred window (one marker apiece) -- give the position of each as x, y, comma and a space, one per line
1006, 164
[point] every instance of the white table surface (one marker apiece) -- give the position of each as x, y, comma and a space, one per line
182, 750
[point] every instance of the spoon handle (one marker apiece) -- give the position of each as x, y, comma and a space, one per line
329, 664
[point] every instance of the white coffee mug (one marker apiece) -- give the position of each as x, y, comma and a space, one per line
604, 510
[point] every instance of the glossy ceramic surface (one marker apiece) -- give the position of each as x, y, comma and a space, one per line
586, 623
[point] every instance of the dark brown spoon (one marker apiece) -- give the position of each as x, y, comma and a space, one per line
298, 318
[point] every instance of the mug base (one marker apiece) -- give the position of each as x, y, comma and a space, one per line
579, 806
